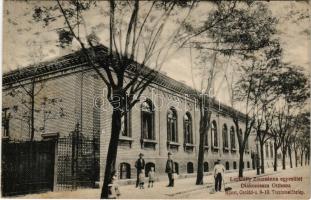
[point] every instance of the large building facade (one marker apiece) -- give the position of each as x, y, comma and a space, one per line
69, 96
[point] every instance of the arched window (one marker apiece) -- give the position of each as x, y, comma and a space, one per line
246, 145
205, 167
148, 168
214, 134
234, 165
125, 171
225, 136
176, 167
241, 134
147, 120
227, 166
271, 150
189, 167
172, 135
267, 150
126, 124
232, 137
188, 138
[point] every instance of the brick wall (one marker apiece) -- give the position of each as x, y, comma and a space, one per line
78, 91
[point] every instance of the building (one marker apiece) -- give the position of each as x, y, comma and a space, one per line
69, 96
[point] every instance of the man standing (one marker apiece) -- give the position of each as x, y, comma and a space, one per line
169, 169
219, 171
139, 165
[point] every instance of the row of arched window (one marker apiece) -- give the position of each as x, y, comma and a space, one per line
125, 168
147, 124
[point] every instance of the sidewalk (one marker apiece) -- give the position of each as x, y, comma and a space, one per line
159, 191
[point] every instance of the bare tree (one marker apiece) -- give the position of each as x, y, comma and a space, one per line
222, 33
135, 41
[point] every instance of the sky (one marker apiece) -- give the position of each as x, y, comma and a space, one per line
23, 39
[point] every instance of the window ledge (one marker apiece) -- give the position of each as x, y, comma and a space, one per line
189, 145
234, 149
125, 138
206, 146
226, 148
149, 141
173, 143
215, 147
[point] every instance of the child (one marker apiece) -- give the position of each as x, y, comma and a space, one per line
114, 192
141, 179
151, 176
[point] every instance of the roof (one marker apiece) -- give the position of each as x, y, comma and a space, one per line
75, 60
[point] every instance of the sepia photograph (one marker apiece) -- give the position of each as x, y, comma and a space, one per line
155, 99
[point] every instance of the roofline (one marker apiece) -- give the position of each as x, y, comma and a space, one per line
74, 60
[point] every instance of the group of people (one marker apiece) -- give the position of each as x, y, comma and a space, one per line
140, 165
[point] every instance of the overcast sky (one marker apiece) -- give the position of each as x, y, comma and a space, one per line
293, 30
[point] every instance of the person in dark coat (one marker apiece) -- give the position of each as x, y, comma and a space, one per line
169, 169
139, 165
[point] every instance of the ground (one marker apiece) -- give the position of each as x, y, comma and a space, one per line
185, 188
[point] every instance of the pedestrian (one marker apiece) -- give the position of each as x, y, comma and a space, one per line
141, 179
113, 187
151, 176
139, 165
169, 169
219, 171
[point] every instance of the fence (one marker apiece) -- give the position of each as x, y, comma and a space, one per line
77, 162
27, 167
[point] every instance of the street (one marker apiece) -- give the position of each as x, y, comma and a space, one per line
185, 188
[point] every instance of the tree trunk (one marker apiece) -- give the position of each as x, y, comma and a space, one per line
283, 159
275, 164
241, 152
32, 118
296, 158
112, 151
290, 156
204, 123
301, 158
262, 158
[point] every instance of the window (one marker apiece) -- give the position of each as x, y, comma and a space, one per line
246, 145
172, 135
232, 138
188, 128
267, 150
148, 168
206, 139
205, 167
125, 171
126, 125
189, 167
225, 136
227, 166
271, 150
147, 113
214, 134
248, 164
234, 165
